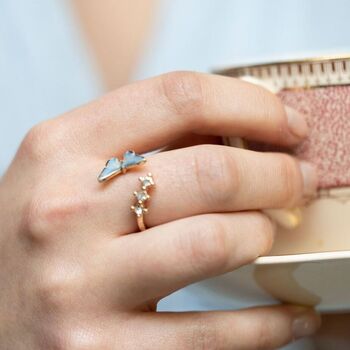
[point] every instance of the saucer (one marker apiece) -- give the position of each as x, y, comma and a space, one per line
321, 280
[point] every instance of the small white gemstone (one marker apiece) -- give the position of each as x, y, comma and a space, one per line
141, 196
147, 181
138, 209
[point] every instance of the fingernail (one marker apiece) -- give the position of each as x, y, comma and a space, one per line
287, 218
306, 323
310, 179
297, 123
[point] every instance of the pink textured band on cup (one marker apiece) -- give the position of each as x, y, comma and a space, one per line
320, 89
328, 146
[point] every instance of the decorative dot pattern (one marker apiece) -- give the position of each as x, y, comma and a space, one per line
328, 146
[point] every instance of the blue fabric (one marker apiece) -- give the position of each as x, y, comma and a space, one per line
204, 34
44, 68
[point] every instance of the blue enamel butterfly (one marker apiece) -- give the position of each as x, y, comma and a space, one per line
114, 166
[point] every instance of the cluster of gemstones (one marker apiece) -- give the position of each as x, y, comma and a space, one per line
142, 196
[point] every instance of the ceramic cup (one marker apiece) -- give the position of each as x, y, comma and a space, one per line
309, 263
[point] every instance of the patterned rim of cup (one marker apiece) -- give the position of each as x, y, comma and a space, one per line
308, 73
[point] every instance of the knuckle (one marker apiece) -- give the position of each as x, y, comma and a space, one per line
84, 339
204, 336
74, 338
45, 215
216, 175
183, 91
266, 231
34, 228
271, 107
290, 181
37, 143
58, 288
207, 248
55, 341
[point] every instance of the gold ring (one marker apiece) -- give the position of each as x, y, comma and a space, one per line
142, 196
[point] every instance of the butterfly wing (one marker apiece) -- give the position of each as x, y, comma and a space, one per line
132, 159
112, 168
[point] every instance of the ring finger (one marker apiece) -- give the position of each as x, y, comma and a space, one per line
209, 178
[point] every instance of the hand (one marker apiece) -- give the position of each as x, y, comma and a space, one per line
76, 274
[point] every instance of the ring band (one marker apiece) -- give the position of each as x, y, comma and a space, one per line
141, 223
142, 196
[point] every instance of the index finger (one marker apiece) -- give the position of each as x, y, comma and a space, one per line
149, 114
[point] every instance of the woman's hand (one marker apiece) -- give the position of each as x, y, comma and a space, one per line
76, 274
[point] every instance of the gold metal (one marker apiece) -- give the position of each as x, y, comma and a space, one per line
141, 223
142, 196
307, 73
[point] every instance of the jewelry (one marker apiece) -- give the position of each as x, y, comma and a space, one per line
142, 196
114, 166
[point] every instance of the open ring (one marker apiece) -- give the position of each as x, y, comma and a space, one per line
142, 196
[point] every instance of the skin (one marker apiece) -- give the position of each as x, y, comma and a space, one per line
126, 27
79, 275
116, 33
